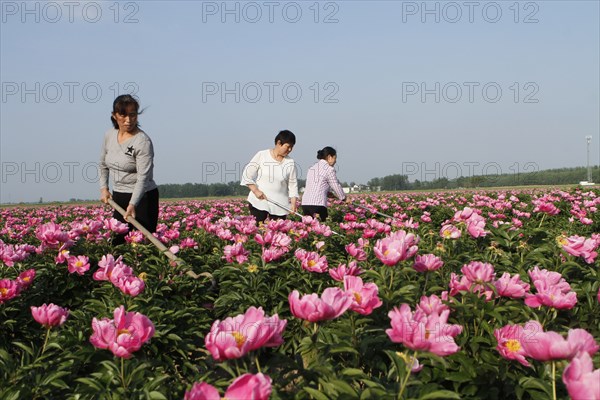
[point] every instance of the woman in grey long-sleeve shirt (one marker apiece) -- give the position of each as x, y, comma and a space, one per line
127, 153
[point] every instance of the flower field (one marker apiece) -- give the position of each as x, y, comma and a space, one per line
455, 295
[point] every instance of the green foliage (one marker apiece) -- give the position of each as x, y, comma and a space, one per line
351, 357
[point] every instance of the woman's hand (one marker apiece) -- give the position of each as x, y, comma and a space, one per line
130, 212
294, 205
104, 195
260, 195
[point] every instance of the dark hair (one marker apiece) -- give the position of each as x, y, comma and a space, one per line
121, 104
326, 152
286, 137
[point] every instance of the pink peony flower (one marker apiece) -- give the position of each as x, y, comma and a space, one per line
116, 226
512, 287
131, 285
398, 246
234, 337
332, 303
134, 237
509, 343
552, 290
9, 289
477, 278
244, 387
427, 262
123, 335
580, 378
476, 226
25, 279
545, 207
51, 235
423, 332
50, 315
78, 264
450, 232
202, 391
106, 264
356, 252
249, 386
433, 304
342, 270
579, 246
235, 252
546, 346
311, 261
364, 296
272, 253
188, 243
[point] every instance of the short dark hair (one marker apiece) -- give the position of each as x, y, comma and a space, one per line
286, 137
121, 104
326, 152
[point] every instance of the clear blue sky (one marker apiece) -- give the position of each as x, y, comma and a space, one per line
421, 88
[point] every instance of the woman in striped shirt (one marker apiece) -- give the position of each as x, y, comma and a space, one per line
320, 179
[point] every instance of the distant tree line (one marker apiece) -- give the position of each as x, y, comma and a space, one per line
561, 176
176, 190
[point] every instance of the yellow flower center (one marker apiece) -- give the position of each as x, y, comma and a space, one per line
79, 264
513, 345
311, 263
3, 291
357, 297
123, 332
240, 339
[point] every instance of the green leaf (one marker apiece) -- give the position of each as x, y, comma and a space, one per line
535, 384
459, 377
91, 383
440, 394
315, 393
154, 395
353, 372
26, 348
343, 349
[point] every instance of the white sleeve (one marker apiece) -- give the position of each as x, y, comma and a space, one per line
250, 172
293, 182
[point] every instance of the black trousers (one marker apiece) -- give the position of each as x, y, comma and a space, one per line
261, 215
321, 211
146, 212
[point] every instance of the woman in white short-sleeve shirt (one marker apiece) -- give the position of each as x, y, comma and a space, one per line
271, 175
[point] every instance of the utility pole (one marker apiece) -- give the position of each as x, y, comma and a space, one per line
589, 168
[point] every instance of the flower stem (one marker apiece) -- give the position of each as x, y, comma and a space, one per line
553, 378
409, 365
354, 340
541, 222
123, 374
237, 367
46, 340
425, 286
391, 277
257, 363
